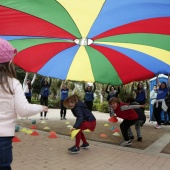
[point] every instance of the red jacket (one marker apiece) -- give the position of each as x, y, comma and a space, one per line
126, 114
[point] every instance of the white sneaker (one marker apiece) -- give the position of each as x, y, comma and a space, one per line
41, 118
45, 118
126, 143
157, 127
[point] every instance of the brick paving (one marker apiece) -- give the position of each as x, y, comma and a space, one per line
43, 153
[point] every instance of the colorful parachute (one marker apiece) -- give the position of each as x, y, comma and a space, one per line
106, 41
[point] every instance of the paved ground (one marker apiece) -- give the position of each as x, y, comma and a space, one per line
43, 153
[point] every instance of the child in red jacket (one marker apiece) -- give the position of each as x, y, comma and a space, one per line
128, 115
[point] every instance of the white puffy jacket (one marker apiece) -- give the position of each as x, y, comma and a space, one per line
13, 105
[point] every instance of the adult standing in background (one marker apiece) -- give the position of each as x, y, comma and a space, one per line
141, 93
153, 95
112, 92
89, 95
44, 94
64, 95
27, 86
167, 113
159, 104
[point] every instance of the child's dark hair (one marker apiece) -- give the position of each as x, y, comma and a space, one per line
130, 100
140, 83
88, 88
164, 84
46, 83
29, 84
7, 70
111, 87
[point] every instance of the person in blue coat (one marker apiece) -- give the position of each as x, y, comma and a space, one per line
89, 96
64, 95
141, 93
44, 94
159, 103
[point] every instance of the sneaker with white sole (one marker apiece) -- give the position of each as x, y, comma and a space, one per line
74, 149
157, 127
84, 146
126, 143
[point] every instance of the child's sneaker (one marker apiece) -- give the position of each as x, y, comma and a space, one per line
139, 139
126, 143
71, 148
41, 118
157, 127
84, 146
131, 137
74, 149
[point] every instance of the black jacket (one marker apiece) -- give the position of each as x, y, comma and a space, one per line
82, 113
140, 113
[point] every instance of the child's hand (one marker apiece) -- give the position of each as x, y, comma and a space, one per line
72, 129
143, 106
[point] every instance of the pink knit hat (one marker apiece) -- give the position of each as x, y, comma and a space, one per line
7, 51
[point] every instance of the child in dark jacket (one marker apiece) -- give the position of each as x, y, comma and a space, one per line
139, 123
128, 115
85, 120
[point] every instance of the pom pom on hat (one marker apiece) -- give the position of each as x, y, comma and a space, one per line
7, 51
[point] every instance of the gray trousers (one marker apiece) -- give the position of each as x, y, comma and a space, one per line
137, 124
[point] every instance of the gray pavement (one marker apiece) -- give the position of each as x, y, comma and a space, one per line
43, 153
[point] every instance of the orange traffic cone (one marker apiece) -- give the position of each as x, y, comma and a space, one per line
103, 135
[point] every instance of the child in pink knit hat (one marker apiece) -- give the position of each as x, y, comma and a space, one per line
7, 51
12, 101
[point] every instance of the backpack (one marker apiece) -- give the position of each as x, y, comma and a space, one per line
167, 99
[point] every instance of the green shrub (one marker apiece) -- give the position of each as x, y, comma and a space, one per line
95, 106
51, 103
103, 107
96, 100
33, 101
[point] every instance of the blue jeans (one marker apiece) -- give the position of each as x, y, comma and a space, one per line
5, 153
